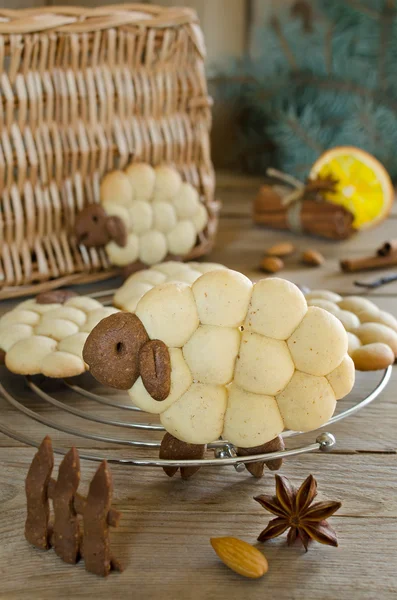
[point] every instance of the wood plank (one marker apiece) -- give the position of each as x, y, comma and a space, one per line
165, 544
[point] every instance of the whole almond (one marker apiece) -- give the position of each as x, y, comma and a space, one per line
313, 258
271, 264
240, 556
282, 249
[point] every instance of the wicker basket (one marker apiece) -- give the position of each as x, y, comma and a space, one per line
84, 91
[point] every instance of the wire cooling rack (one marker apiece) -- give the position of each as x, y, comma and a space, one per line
37, 400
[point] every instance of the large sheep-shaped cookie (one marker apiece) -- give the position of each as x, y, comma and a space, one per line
224, 357
145, 214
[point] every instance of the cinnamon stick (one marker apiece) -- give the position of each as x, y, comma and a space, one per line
323, 218
368, 263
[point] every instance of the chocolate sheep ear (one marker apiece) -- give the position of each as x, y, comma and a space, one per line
155, 369
91, 226
117, 230
112, 350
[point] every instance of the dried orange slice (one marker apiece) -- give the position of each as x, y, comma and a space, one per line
363, 184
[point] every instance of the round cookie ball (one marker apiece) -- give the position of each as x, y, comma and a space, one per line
141, 217
277, 307
57, 329
126, 255
353, 342
181, 380
169, 313
222, 297
25, 357
41, 309
206, 267
370, 333
11, 334
342, 378
188, 276
25, 317
319, 343
186, 201
83, 303
172, 269
251, 419
197, 417
307, 402
211, 354
386, 319
359, 305
142, 178
164, 216
324, 295
153, 247
349, 320
118, 210
70, 313
325, 304
151, 276
182, 238
373, 357
167, 184
116, 188
95, 316
74, 344
200, 218
264, 365
62, 364
126, 294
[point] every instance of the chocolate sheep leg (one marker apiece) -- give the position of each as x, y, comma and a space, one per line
173, 449
256, 469
66, 526
36, 487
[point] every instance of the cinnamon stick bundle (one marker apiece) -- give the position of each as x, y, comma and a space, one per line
310, 216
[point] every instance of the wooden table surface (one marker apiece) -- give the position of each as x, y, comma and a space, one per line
163, 539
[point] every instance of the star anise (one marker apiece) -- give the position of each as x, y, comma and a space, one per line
295, 511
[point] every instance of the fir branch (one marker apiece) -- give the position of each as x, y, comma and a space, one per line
301, 133
289, 55
363, 9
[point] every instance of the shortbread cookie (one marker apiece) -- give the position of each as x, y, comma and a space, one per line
132, 290
145, 214
366, 324
49, 337
245, 360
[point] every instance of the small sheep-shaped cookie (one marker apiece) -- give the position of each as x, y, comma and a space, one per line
225, 357
46, 335
144, 214
372, 333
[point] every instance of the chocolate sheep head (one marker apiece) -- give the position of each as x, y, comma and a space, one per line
95, 228
118, 351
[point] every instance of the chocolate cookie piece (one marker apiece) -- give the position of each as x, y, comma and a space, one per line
91, 226
55, 296
2, 357
256, 469
112, 350
155, 369
66, 536
96, 545
173, 449
36, 487
117, 230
